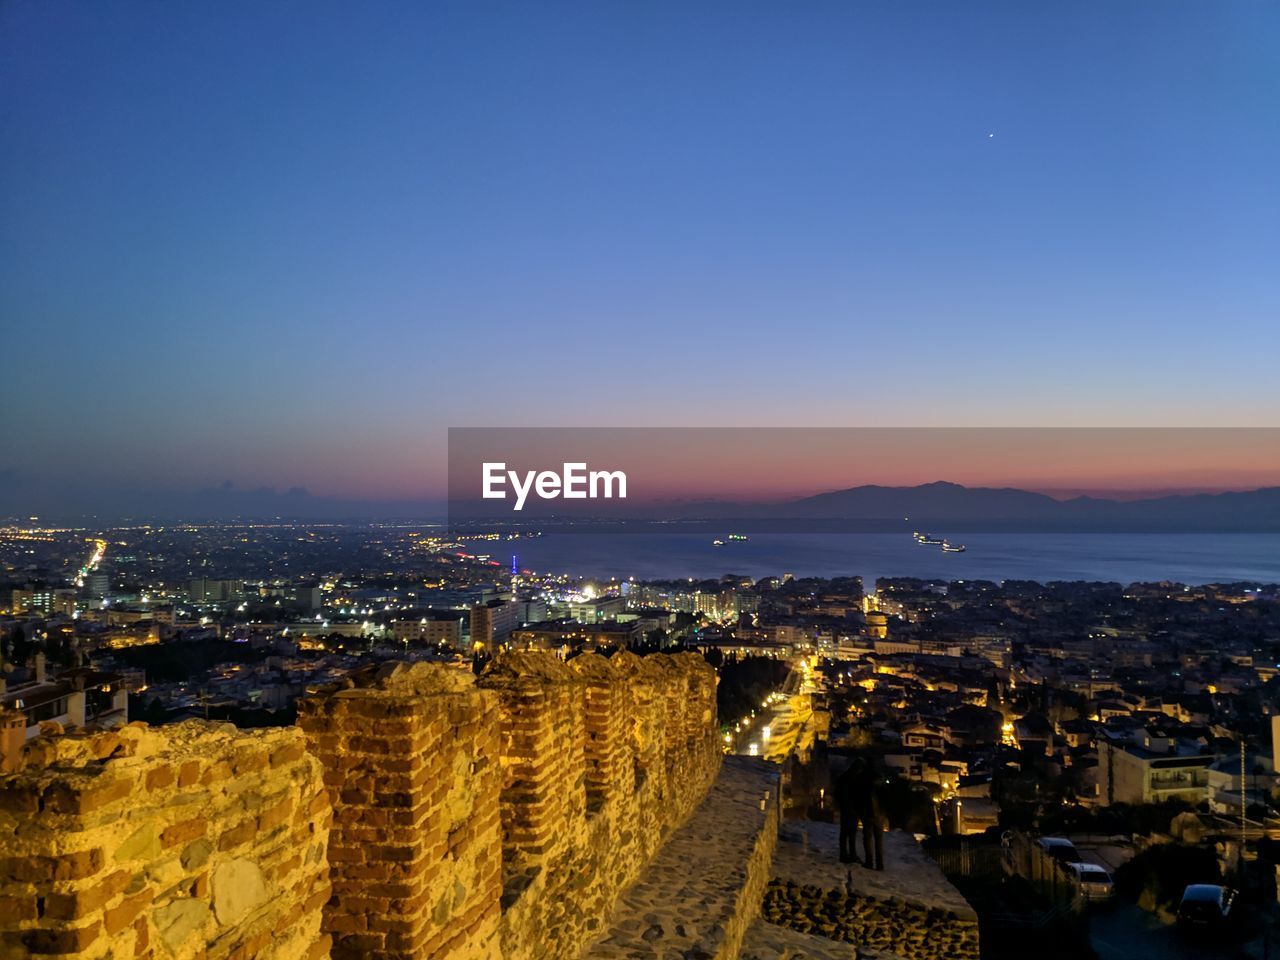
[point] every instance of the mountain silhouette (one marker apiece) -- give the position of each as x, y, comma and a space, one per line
950, 502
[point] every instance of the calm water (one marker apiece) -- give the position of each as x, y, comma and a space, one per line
1186, 558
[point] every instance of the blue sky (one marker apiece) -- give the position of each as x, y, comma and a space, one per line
290, 243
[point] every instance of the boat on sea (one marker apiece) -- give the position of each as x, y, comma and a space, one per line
717, 543
948, 547
928, 540
737, 538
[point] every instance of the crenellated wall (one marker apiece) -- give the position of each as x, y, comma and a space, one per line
601, 760
414, 812
501, 818
410, 756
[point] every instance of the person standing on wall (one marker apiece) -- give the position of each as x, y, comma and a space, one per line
867, 800
855, 793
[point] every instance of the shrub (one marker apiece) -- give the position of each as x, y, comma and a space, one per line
1158, 875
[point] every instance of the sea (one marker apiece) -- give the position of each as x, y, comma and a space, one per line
1190, 558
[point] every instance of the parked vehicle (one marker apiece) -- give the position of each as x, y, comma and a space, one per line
1060, 848
1205, 908
1095, 882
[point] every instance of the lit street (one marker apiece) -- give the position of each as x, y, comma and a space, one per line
782, 725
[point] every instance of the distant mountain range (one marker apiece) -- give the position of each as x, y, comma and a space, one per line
941, 505
951, 502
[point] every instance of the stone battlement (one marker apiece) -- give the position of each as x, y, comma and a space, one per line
414, 812
197, 839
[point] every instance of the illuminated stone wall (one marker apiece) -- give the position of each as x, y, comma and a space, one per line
410, 757
601, 760
415, 812
196, 840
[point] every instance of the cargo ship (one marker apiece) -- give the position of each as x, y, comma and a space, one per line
931, 541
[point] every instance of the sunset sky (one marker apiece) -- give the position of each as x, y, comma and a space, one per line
766, 464
290, 244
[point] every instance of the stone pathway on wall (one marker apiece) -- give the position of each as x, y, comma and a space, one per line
908, 910
808, 852
697, 898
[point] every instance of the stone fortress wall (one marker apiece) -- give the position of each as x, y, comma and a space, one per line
196, 839
414, 812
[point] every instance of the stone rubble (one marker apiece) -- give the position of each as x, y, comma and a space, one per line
767, 941
908, 910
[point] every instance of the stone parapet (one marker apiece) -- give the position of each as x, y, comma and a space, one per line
598, 768
195, 840
415, 813
410, 756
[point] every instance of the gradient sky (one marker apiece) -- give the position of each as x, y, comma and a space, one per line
719, 464
291, 243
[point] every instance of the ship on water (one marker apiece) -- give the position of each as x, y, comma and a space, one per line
931, 541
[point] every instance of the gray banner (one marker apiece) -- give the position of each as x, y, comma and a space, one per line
810, 480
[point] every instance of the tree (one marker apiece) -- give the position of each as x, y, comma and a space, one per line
21, 648
1157, 876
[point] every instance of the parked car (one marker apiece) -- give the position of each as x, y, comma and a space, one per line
1060, 848
1095, 882
1205, 908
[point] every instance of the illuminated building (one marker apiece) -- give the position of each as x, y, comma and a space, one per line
42, 599
436, 629
72, 699
492, 622
204, 590
1132, 774
597, 609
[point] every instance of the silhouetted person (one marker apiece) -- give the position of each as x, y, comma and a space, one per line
855, 793
845, 791
869, 812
